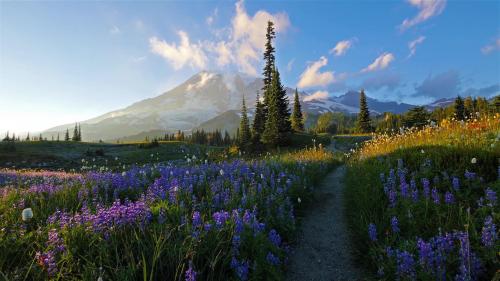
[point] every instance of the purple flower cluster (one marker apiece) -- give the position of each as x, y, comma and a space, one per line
489, 232
55, 246
372, 232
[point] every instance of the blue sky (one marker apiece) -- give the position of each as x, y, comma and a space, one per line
68, 61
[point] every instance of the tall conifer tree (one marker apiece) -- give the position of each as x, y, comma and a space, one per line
245, 135
364, 122
297, 118
66, 136
459, 108
268, 63
259, 121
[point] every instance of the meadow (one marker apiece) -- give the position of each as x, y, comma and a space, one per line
196, 218
423, 204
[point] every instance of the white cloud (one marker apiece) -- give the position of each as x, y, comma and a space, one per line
115, 30
428, 9
342, 47
318, 95
413, 45
313, 77
491, 47
249, 35
180, 55
289, 65
240, 44
381, 62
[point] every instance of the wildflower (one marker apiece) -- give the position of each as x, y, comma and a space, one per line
190, 273
395, 224
489, 232
298, 200
469, 175
405, 264
426, 185
422, 151
372, 232
221, 172
272, 259
491, 196
473, 160
392, 198
220, 218
449, 198
275, 238
455, 182
27, 214
196, 219
435, 196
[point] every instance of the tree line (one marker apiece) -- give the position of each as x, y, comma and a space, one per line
76, 136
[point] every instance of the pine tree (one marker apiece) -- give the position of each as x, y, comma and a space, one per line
57, 136
259, 121
269, 60
79, 132
66, 136
364, 122
297, 118
75, 133
271, 135
244, 139
459, 108
40, 138
28, 137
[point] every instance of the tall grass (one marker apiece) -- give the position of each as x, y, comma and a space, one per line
422, 204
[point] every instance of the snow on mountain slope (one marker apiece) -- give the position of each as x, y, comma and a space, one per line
203, 97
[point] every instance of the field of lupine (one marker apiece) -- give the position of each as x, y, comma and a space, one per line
199, 220
425, 203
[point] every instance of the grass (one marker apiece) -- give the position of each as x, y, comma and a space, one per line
421, 204
68, 155
222, 220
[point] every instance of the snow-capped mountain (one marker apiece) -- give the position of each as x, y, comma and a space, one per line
201, 98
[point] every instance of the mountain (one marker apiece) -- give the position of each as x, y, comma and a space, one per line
444, 102
206, 100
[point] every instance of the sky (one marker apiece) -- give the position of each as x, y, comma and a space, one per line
67, 61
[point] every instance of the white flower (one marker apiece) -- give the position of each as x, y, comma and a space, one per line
473, 160
124, 174
189, 160
116, 158
27, 214
99, 279
187, 172
194, 157
221, 172
206, 161
422, 151
298, 200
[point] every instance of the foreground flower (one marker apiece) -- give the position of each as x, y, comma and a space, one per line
27, 214
372, 232
489, 232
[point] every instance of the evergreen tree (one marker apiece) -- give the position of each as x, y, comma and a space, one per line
57, 136
259, 121
279, 92
364, 122
495, 104
13, 137
272, 133
79, 132
244, 139
416, 117
28, 137
66, 136
75, 133
469, 106
7, 137
297, 118
269, 59
459, 108
227, 138
40, 138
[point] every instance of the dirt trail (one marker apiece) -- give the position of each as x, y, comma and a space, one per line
324, 251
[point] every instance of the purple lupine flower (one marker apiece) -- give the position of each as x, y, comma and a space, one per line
469, 175
405, 265
455, 182
275, 238
395, 224
241, 268
465, 273
414, 195
220, 218
489, 232
426, 184
424, 252
435, 196
190, 273
372, 232
491, 196
392, 198
449, 198
197, 219
272, 259
404, 190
